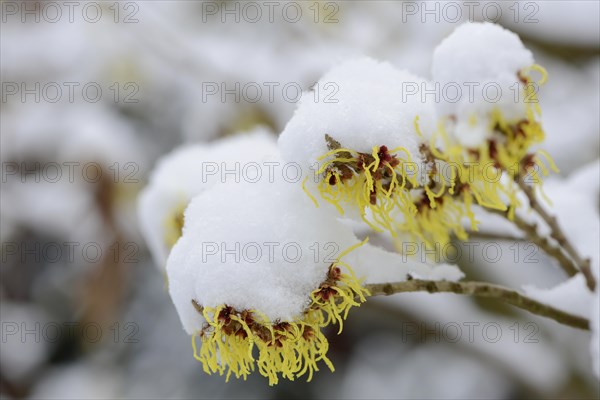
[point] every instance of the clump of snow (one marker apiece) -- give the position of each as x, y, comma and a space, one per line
266, 247
189, 170
483, 61
479, 52
246, 219
371, 105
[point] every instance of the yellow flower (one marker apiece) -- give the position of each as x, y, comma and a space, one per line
383, 185
374, 183
506, 151
436, 219
236, 342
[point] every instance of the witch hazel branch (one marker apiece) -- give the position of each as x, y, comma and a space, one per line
370, 162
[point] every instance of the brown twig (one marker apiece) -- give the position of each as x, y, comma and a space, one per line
557, 233
480, 289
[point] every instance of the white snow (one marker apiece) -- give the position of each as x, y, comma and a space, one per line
248, 217
370, 107
284, 247
191, 169
479, 52
482, 60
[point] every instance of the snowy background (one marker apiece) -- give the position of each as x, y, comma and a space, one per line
101, 90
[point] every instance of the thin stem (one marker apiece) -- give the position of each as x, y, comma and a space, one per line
480, 289
557, 233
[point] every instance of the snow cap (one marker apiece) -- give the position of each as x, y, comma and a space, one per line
189, 170
478, 69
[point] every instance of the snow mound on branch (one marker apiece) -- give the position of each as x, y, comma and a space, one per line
225, 256
480, 62
368, 107
479, 52
189, 170
266, 247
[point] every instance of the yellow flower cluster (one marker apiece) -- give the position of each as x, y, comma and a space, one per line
377, 182
236, 342
384, 184
487, 173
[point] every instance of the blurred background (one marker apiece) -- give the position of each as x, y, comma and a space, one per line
93, 93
